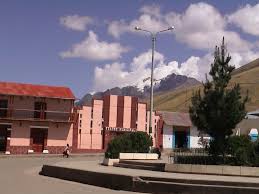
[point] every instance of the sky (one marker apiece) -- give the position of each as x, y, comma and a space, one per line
91, 45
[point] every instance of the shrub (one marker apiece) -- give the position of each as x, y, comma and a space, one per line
241, 149
137, 142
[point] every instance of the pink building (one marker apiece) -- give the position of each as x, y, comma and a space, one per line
35, 118
43, 119
110, 117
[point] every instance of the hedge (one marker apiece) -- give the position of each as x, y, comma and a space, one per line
132, 142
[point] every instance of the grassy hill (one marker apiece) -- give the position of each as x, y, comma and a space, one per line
179, 99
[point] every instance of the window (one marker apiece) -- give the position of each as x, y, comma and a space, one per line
39, 110
3, 108
80, 115
91, 124
92, 112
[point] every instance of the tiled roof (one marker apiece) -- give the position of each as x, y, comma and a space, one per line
176, 118
20, 89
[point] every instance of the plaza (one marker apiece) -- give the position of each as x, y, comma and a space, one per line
24, 173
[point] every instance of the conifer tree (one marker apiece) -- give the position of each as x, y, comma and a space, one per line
219, 108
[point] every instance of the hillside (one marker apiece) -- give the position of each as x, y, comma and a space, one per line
179, 99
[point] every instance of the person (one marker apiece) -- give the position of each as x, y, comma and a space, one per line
66, 151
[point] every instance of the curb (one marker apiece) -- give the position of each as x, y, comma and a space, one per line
146, 184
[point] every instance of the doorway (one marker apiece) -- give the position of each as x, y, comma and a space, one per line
3, 138
181, 139
38, 139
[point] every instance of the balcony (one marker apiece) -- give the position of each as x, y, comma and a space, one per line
36, 115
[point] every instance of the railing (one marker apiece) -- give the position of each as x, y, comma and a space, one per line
198, 156
189, 156
36, 115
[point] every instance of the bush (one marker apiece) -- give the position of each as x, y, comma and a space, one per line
242, 150
239, 151
137, 142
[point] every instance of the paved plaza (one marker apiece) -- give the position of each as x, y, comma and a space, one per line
20, 176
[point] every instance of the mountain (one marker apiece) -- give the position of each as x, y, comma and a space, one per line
179, 99
169, 83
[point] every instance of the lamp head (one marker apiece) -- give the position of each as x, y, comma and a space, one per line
171, 28
137, 28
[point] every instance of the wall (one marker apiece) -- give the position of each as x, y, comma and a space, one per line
195, 138
155, 119
167, 136
97, 124
90, 138
20, 135
127, 112
142, 119
113, 111
59, 134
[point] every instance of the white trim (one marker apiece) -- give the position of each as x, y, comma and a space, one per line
45, 151
30, 151
6, 123
39, 127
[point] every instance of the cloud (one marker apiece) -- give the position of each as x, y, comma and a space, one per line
76, 22
200, 26
246, 18
93, 49
150, 19
117, 75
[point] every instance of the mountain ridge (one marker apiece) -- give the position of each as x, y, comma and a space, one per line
168, 83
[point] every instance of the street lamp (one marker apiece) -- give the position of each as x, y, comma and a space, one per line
153, 37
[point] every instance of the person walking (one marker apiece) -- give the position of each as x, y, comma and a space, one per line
66, 151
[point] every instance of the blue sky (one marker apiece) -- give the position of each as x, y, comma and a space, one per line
92, 46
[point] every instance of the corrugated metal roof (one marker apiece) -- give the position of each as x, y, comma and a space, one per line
21, 89
176, 118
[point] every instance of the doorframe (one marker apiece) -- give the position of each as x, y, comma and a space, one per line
40, 128
188, 130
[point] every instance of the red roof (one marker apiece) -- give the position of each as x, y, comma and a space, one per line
20, 89
176, 118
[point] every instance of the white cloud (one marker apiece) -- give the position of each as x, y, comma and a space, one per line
116, 74
93, 49
200, 26
152, 9
76, 22
247, 18
150, 19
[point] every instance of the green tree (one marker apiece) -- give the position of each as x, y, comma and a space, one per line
220, 107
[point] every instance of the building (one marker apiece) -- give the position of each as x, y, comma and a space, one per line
35, 118
178, 131
249, 125
109, 117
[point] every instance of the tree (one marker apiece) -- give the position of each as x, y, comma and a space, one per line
220, 107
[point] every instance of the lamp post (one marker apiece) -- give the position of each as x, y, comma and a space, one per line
153, 38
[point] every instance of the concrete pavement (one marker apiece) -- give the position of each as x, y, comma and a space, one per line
19, 175
92, 173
